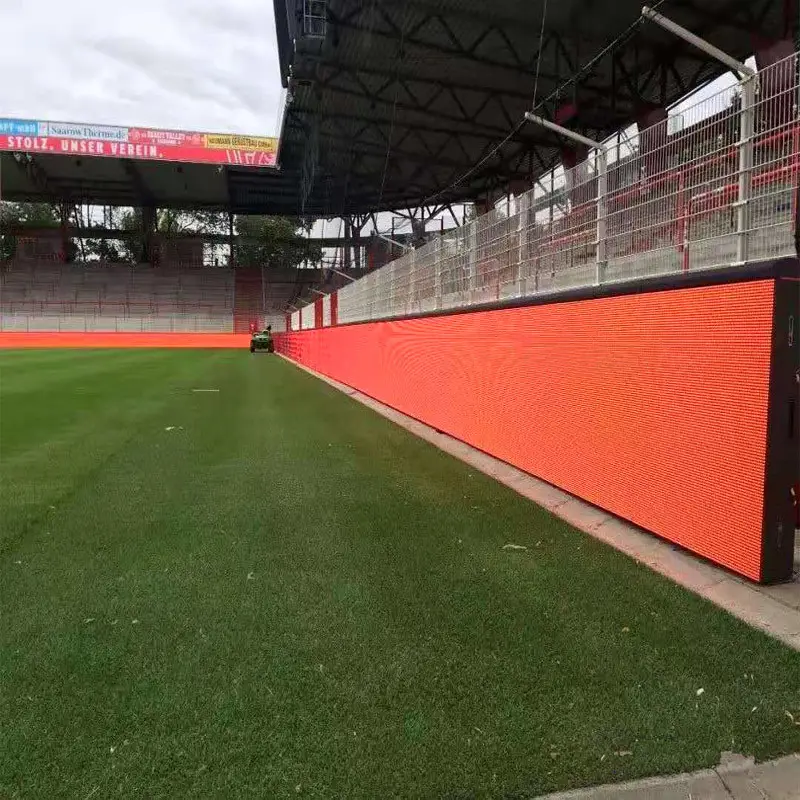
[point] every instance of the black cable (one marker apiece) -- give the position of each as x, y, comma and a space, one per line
398, 64
554, 94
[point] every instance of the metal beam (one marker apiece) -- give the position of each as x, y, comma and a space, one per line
560, 129
340, 143
696, 41
469, 129
37, 175
457, 49
143, 194
89, 232
414, 75
416, 108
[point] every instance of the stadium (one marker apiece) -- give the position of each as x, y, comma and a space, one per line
444, 445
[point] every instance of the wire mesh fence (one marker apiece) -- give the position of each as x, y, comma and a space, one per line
712, 185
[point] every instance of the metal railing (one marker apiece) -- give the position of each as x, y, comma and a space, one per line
718, 190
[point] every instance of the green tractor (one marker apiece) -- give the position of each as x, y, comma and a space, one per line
262, 341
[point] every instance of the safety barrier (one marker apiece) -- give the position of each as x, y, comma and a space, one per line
720, 192
673, 406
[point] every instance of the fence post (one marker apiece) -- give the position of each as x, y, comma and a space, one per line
746, 133
601, 257
390, 305
437, 275
525, 202
472, 258
411, 299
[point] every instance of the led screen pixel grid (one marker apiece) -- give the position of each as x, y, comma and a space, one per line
652, 406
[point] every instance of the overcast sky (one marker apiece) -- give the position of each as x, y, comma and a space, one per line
204, 65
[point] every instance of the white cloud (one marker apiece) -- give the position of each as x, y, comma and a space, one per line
204, 65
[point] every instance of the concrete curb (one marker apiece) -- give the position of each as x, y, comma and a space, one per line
772, 609
737, 778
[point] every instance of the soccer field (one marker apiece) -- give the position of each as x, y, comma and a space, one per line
267, 590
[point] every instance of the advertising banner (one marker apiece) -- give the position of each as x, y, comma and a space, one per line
76, 139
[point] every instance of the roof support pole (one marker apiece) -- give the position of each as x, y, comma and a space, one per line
404, 247
231, 242
343, 274
149, 228
348, 235
63, 219
560, 129
693, 39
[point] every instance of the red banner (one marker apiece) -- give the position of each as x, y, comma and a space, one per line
138, 143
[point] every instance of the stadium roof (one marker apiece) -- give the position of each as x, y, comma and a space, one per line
125, 182
394, 102
107, 165
407, 96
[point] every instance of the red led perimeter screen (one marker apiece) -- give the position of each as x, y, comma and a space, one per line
652, 406
51, 340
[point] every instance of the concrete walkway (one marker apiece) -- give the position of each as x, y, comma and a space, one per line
737, 778
773, 609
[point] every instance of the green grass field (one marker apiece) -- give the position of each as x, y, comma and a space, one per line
285, 595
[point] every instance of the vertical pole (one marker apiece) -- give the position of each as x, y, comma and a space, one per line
796, 192
601, 257
472, 255
263, 299
346, 251
232, 255
2, 223
437, 274
63, 224
524, 206
682, 229
149, 226
357, 243
411, 299
334, 308
746, 131
551, 211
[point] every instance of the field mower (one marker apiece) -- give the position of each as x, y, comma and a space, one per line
262, 342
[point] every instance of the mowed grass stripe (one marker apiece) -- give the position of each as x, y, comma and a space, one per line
59, 425
40, 398
287, 595
48, 373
